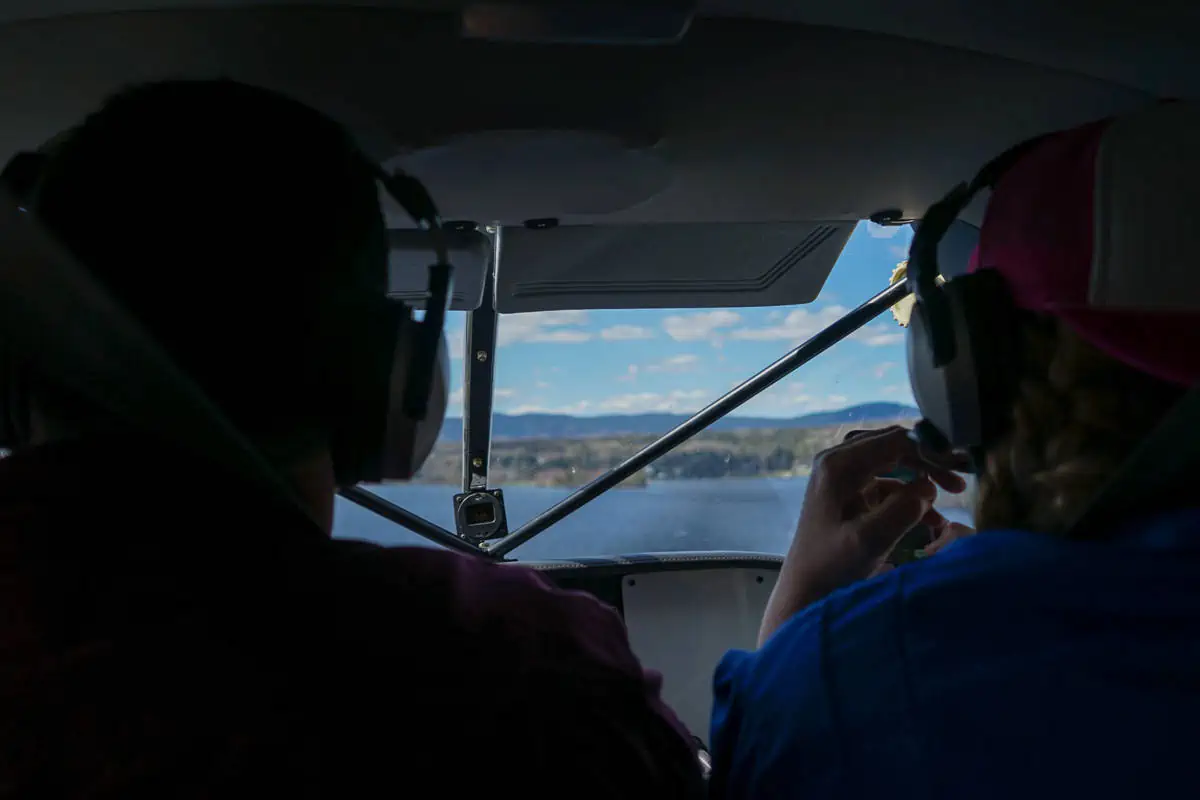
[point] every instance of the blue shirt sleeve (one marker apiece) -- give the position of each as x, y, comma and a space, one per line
823, 700
772, 719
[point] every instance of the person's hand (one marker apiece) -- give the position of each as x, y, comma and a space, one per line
852, 518
949, 532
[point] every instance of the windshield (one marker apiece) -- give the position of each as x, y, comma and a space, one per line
577, 392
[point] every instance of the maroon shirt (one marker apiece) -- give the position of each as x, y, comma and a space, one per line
166, 633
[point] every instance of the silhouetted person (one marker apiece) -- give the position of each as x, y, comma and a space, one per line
169, 631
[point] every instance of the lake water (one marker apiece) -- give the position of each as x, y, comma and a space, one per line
748, 514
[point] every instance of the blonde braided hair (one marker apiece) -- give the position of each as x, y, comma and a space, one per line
1076, 416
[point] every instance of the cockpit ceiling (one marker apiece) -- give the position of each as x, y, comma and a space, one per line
1147, 45
744, 121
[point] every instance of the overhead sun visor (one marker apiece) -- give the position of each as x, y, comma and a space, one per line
535, 174
667, 265
411, 256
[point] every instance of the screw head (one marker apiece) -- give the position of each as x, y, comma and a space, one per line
481, 355
477, 463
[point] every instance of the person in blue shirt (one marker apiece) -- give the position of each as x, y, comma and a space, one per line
1040, 657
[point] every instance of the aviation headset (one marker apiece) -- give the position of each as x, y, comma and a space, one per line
384, 385
961, 363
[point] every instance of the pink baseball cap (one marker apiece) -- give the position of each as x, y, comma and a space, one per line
1100, 226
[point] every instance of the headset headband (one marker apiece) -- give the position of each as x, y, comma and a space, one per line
1170, 452
414, 198
923, 268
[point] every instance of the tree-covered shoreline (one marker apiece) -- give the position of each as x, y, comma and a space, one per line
711, 455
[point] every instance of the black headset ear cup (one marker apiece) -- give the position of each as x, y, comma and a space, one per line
390, 444
967, 399
366, 372
930, 384
994, 327
407, 440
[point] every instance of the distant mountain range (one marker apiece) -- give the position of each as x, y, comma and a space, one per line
563, 426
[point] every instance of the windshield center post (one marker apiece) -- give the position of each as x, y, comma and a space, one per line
479, 515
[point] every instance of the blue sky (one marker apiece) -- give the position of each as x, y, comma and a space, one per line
635, 361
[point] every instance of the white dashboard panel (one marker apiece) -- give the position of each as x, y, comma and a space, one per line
681, 622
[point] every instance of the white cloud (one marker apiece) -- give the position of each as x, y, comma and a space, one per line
541, 385
681, 363
900, 393
798, 325
543, 326
562, 337
626, 333
456, 397
884, 231
571, 408
879, 334
456, 342
679, 401
899, 251
792, 399
883, 368
701, 326
630, 374
780, 394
